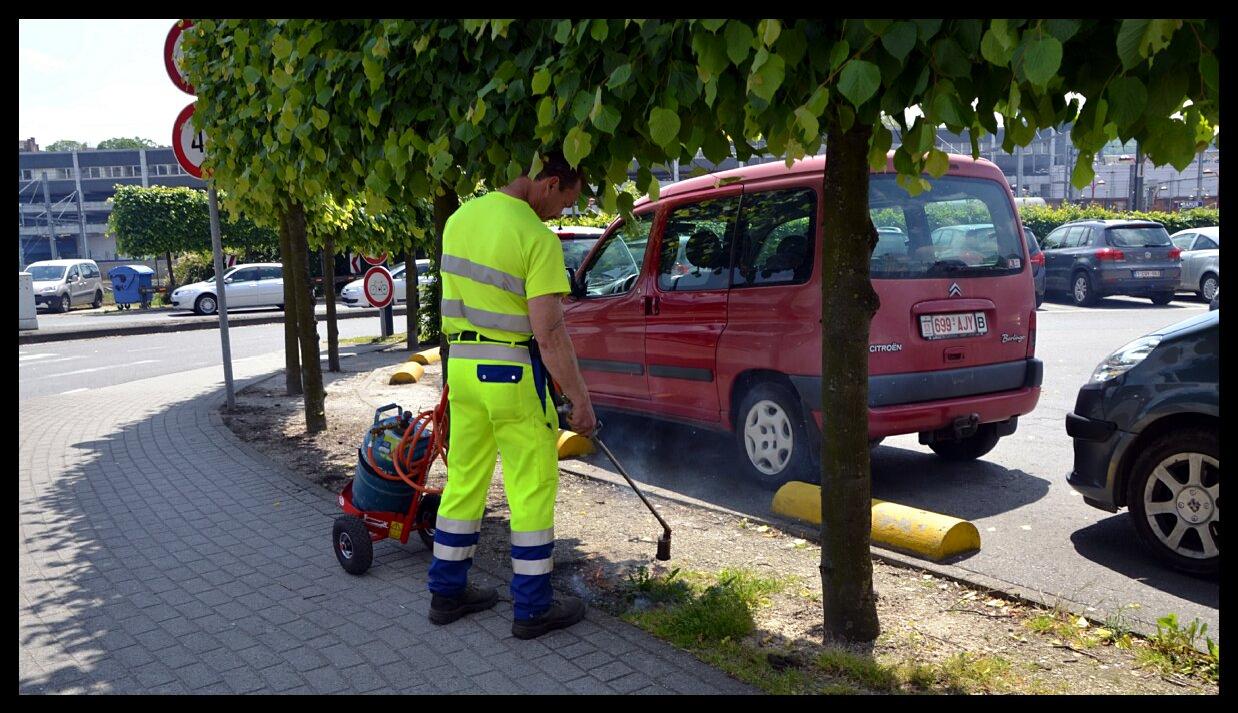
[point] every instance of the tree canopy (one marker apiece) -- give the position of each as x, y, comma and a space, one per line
136, 142
66, 145
164, 219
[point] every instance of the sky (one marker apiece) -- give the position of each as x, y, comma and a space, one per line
90, 80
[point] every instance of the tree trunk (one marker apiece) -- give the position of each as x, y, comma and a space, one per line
328, 291
292, 357
412, 299
848, 298
444, 206
311, 365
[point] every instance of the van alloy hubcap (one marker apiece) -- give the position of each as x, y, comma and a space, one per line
1182, 501
768, 437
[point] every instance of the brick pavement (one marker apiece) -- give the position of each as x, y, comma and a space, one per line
160, 554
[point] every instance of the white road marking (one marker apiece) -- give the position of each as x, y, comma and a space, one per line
96, 368
55, 361
73, 391
30, 357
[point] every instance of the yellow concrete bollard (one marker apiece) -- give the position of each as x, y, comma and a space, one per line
572, 444
912, 530
425, 357
408, 374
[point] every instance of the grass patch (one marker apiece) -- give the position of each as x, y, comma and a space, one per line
1172, 650
698, 617
961, 673
1074, 630
393, 339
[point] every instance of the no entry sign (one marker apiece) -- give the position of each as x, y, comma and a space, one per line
188, 144
376, 260
378, 286
172, 55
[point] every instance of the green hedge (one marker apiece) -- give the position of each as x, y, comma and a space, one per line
1043, 220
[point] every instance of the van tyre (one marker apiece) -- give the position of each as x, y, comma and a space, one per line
970, 448
773, 442
205, 305
1081, 291
1162, 298
98, 300
1173, 494
352, 544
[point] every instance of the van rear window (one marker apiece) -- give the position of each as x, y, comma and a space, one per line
963, 227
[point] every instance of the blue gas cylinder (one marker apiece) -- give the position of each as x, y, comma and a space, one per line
373, 493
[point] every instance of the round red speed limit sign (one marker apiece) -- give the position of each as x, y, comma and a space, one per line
172, 54
378, 260
378, 286
188, 144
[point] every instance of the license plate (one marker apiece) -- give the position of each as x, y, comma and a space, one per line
1147, 273
955, 324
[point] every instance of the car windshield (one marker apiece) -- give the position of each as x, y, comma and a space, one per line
1139, 237
961, 227
46, 272
575, 250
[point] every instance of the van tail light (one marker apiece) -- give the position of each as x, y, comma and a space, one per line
1031, 335
1111, 254
1175, 253
1038, 260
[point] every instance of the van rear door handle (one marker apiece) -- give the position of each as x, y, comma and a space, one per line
652, 304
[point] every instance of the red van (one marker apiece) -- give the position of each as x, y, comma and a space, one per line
706, 310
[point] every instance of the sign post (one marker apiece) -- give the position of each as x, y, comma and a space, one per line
189, 146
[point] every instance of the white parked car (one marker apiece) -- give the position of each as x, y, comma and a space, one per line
1201, 260
60, 284
253, 285
353, 294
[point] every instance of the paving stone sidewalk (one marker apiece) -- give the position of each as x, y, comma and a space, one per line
160, 554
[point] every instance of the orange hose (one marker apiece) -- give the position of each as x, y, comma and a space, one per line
414, 472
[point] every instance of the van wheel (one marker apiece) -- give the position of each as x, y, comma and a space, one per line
205, 305
773, 443
970, 448
1208, 286
1162, 298
98, 300
1174, 499
1081, 290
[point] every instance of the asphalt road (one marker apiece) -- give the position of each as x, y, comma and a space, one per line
75, 366
79, 318
1036, 531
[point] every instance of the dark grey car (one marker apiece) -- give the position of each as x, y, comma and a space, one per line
1146, 431
1091, 259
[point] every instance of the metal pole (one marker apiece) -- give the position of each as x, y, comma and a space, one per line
81, 208
1018, 152
217, 246
1199, 178
386, 317
675, 170
47, 206
1138, 197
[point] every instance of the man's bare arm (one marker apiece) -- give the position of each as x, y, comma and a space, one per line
546, 315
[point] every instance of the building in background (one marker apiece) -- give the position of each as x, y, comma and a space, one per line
63, 197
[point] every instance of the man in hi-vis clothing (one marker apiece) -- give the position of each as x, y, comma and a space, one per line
503, 277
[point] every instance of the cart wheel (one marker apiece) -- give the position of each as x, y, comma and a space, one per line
427, 512
353, 546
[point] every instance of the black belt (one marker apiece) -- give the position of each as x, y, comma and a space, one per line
470, 336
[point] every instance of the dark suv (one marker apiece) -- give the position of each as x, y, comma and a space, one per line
1090, 259
1147, 437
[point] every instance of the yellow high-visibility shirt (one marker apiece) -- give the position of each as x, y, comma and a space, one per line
497, 255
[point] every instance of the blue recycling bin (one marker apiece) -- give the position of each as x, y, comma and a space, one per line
128, 282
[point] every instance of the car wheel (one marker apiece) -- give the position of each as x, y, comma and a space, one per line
205, 305
1162, 298
970, 448
1174, 499
1208, 286
352, 544
1081, 290
427, 513
98, 300
66, 303
773, 443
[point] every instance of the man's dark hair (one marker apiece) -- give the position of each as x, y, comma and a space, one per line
554, 164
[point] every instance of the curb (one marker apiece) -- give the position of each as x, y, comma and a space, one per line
911, 530
35, 337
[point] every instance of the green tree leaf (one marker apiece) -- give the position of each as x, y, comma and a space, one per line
994, 49
619, 76
764, 81
607, 119
937, 163
664, 127
858, 81
738, 41
807, 121
540, 82
899, 39
1042, 56
1127, 100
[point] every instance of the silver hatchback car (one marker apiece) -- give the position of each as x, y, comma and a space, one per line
1201, 260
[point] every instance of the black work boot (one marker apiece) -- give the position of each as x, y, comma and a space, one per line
564, 612
444, 610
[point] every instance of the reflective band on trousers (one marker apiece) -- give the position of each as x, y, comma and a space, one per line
453, 554
458, 527
485, 275
534, 538
533, 567
481, 350
485, 318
